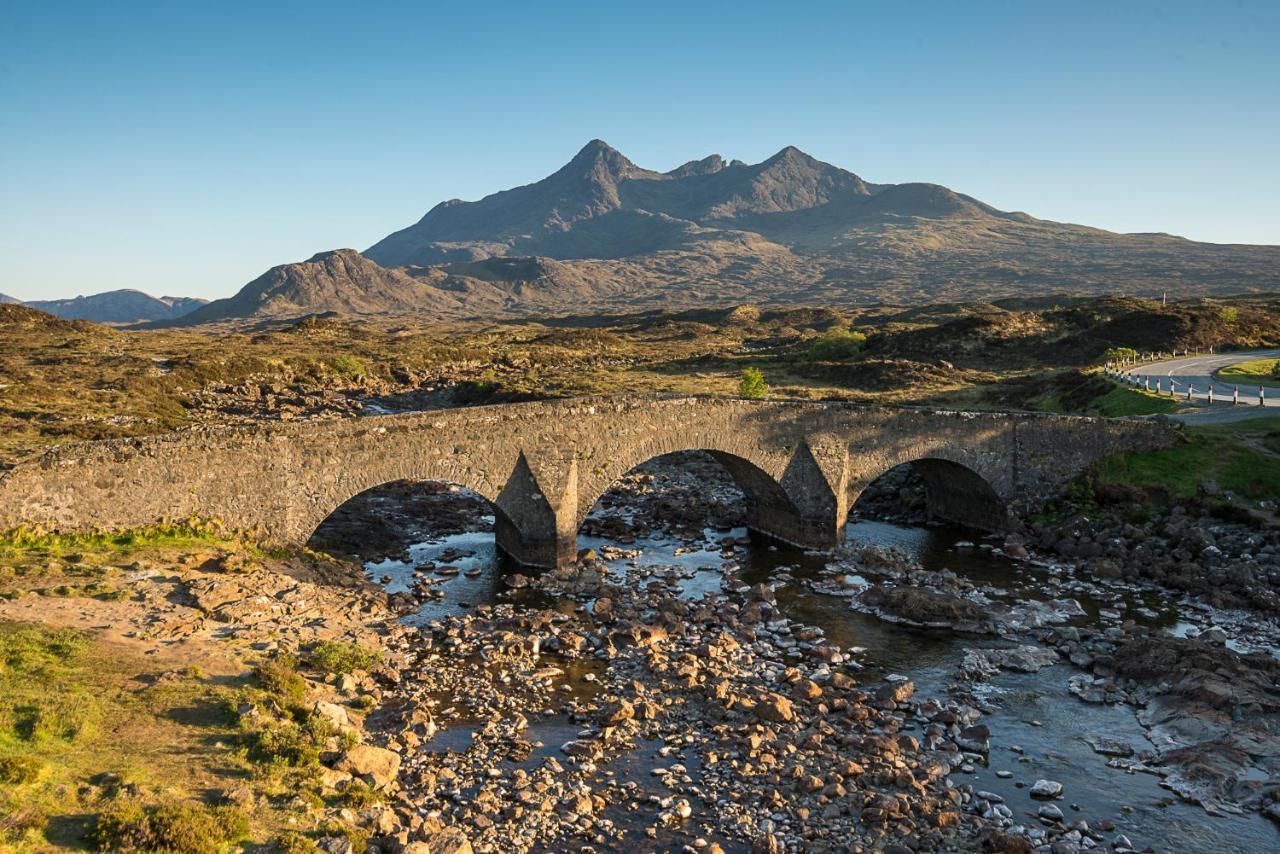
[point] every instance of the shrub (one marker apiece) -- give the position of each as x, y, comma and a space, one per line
176, 828
18, 770
357, 795
338, 657
752, 385
1118, 354
294, 843
281, 744
836, 344
279, 675
348, 367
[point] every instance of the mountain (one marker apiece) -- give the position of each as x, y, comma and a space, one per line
602, 233
341, 280
794, 228
118, 307
5, 299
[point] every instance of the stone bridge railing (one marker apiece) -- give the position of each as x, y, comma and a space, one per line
543, 465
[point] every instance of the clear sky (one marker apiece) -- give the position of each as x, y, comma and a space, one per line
184, 148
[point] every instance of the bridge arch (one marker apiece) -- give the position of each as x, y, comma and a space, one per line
783, 500
421, 506
341, 483
954, 492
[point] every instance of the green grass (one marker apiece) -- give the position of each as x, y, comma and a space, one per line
1220, 453
1116, 402
1121, 401
41, 703
71, 709
1258, 369
22, 542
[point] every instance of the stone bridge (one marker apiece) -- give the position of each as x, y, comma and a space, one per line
543, 465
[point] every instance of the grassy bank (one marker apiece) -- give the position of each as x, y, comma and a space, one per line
1257, 370
83, 732
1090, 392
1242, 458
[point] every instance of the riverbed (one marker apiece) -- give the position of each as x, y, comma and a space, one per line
1038, 730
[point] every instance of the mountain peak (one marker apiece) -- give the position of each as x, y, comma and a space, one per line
791, 154
336, 253
595, 147
597, 151
706, 166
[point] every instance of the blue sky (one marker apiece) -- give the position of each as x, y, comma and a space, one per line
184, 150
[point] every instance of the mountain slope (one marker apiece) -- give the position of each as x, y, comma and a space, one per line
5, 299
603, 234
341, 280
114, 307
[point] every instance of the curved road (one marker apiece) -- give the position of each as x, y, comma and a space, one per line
1196, 373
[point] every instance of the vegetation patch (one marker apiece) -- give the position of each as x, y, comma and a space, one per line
78, 718
339, 657
24, 542
836, 345
1255, 370
278, 675
752, 385
1216, 457
177, 828
1090, 392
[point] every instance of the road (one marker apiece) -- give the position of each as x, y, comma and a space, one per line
1196, 373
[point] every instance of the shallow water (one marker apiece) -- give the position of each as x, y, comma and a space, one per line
1033, 711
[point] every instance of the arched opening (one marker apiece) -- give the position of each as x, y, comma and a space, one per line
798, 508
430, 544
932, 489
672, 496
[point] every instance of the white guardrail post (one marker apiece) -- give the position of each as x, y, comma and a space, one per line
1123, 370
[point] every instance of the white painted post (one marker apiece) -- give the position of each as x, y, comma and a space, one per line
1262, 395
1190, 389
1211, 392
1158, 389
1235, 396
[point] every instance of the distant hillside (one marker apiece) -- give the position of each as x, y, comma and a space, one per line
602, 233
118, 307
5, 299
342, 280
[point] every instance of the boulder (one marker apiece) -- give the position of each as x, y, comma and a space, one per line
377, 764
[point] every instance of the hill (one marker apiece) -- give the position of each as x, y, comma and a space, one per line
118, 307
340, 280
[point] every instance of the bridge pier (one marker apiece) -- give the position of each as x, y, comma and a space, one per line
808, 506
536, 519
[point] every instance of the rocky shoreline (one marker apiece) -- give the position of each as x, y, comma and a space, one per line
534, 726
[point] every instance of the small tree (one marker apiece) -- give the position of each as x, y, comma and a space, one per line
752, 385
1118, 354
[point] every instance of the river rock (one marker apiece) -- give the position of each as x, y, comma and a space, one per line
1046, 789
377, 764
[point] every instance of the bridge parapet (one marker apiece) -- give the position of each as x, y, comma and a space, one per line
543, 465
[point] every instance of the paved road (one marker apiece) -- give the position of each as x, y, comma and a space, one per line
1196, 373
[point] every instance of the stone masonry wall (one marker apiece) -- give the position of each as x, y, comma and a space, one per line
544, 464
